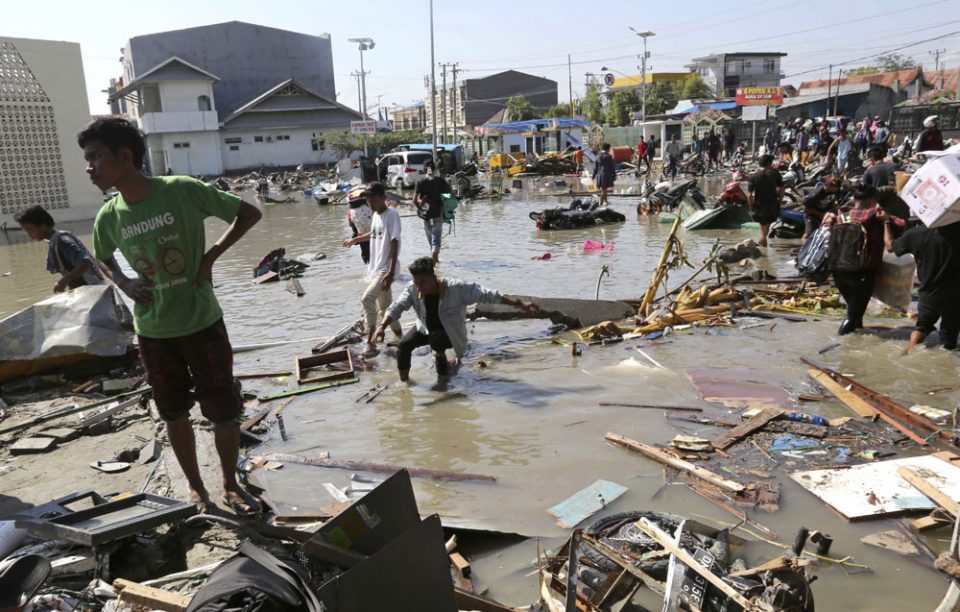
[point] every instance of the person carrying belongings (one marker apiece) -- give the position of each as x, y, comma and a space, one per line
825, 198
441, 308
856, 251
605, 172
937, 252
66, 255
428, 197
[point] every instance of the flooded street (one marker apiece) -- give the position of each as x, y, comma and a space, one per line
531, 418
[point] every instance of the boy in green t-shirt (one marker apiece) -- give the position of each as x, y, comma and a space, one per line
158, 226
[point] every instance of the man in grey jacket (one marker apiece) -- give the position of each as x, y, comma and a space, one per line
441, 307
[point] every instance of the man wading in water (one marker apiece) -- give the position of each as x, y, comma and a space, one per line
158, 225
441, 307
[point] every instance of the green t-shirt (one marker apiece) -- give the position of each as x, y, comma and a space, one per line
162, 237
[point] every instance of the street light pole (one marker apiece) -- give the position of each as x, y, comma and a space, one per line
643, 73
433, 89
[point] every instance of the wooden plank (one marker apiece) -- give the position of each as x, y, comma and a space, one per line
251, 422
729, 438
653, 406
658, 455
363, 466
667, 543
929, 489
585, 503
26, 446
462, 565
150, 597
615, 556
851, 400
934, 519
310, 389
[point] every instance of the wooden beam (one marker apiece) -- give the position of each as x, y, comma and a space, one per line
667, 543
930, 490
615, 556
462, 565
150, 597
363, 466
729, 438
851, 400
658, 455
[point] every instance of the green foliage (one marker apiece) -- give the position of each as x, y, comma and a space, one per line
693, 87
863, 71
884, 63
594, 104
660, 98
621, 107
385, 141
520, 109
344, 143
558, 110
895, 61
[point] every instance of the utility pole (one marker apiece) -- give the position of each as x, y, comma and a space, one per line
570, 83
836, 99
359, 95
936, 58
443, 135
643, 72
433, 89
456, 106
586, 96
829, 86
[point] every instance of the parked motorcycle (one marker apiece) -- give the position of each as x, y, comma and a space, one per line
737, 159
694, 164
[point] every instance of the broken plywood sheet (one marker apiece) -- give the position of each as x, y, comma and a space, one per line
740, 388
874, 490
583, 504
891, 540
570, 312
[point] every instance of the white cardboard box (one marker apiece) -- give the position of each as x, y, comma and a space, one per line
933, 192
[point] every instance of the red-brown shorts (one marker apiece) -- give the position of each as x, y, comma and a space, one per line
197, 366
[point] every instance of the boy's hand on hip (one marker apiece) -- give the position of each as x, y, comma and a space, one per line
205, 273
138, 290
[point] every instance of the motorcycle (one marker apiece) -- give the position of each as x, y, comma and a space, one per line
692, 165
736, 160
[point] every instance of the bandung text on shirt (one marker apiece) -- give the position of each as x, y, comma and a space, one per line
142, 227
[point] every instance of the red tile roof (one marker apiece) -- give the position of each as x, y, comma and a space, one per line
887, 79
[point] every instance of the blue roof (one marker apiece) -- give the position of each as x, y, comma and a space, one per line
531, 124
692, 108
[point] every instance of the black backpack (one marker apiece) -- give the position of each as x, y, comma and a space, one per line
814, 255
848, 247
256, 581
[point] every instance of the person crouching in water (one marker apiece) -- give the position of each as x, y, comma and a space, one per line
441, 308
66, 255
856, 286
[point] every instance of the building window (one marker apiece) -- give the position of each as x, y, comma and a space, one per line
747, 65
181, 145
203, 103
769, 65
233, 140
280, 137
234, 148
258, 139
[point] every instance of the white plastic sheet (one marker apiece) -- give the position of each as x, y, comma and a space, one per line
92, 320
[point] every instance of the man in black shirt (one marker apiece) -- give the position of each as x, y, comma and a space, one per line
880, 173
428, 198
824, 198
937, 252
766, 194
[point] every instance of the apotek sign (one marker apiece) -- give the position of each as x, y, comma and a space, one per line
756, 96
368, 126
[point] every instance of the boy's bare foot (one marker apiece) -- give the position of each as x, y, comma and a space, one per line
200, 499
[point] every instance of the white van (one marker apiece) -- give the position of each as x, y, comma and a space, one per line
402, 169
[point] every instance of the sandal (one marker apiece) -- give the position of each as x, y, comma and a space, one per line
242, 504
201, 503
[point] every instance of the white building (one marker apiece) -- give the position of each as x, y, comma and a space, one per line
43, 105
725, 72
287, 125
173, 104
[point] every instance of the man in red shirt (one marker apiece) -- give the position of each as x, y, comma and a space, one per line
642, 155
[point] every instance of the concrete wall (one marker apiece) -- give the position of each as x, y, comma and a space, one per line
40, 162
249, 59
201, 157
274, 148
481, 98
183, 95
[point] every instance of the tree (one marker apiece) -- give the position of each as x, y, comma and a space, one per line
621, 107
895, 61
344, 143
660, 98
694, 87
520, 109
386, 141
884, 63
594, 104
558, 110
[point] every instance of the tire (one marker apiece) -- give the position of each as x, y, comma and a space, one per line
620, 526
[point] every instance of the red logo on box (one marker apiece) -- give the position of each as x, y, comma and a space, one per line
930, 194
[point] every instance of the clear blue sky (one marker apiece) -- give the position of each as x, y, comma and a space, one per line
534, 36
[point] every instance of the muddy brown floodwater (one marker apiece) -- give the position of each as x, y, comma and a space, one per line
532, 418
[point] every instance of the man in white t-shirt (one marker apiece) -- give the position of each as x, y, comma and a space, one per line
384, 238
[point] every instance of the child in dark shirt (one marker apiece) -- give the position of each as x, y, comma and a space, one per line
66, 255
